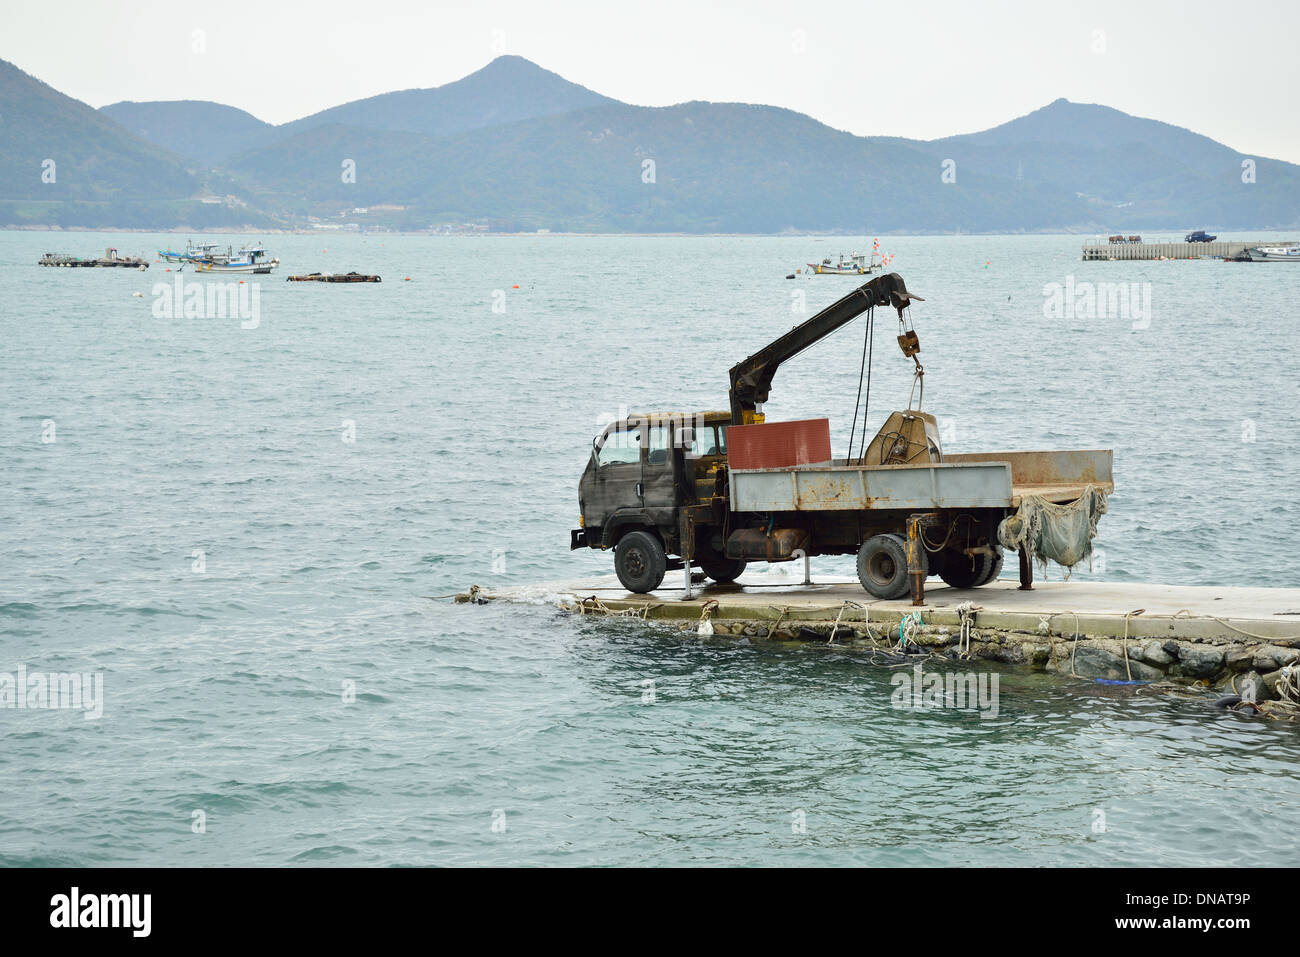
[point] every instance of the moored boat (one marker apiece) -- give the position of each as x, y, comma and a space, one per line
249, 259
1282, 252
192, 252
855, 264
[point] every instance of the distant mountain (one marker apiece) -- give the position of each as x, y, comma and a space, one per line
521, 148
65, 164
507, 90
196, 129
1137, 173
696, 167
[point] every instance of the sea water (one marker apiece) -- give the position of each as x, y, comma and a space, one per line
239, 519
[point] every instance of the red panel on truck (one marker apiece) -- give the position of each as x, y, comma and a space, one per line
776, 445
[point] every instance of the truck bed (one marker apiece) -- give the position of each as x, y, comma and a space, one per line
971, 480
1056, 476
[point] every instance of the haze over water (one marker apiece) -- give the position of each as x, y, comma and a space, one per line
224, 688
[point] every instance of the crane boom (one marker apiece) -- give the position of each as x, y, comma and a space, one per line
752, 378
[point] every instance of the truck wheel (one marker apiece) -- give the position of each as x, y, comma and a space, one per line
963, 571
995, 569
640, 562
935, 561
882, 566
722, 570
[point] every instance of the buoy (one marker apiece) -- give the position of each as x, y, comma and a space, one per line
514, 287
138, 295
407, 279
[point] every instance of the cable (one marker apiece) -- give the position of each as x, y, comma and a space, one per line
867, 350
853, 429
866, 402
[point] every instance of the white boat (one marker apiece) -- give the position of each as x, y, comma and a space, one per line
1282, 253
855, 264
249, 259
192, 252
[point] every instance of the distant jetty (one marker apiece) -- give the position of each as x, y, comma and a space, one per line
1100, 252
109, 259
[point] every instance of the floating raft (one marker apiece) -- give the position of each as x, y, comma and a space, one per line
334, 277
1215, 638
66, 261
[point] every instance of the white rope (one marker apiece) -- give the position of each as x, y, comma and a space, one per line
966, 611
705, 626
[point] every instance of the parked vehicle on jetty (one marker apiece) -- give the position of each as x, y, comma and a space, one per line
1200, 236
1124, 240
720, 489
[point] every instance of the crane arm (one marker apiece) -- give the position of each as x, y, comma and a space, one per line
752, 378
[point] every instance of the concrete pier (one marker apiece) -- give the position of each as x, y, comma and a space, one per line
1094, 252
1220, 638
1169, 611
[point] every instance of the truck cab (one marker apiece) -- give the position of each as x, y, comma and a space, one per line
642, 471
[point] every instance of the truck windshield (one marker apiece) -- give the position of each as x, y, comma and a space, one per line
620, 446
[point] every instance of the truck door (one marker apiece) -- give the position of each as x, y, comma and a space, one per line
617, 481
659, 472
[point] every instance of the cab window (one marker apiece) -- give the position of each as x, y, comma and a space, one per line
659, 445
620, 446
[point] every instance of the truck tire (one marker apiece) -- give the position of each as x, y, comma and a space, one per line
995, 569
882, 566
961, 571
722, 570
640, 562
935, 561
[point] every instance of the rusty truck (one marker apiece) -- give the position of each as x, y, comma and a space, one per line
663, 491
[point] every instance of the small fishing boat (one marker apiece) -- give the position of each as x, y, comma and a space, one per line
1281, 253
249, 259
855, 264
192, 252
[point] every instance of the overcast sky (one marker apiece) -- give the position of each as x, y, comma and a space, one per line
916, 69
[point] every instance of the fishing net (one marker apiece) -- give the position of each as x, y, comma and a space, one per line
1062, 533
